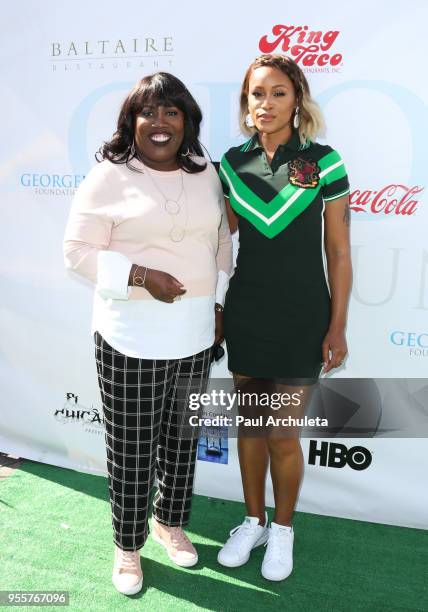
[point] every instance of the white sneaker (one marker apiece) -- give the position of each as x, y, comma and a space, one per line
278, 560
242, 540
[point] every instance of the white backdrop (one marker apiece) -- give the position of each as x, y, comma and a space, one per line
66, 68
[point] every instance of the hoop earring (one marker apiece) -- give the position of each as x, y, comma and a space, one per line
296, 120
132, 152
249, 121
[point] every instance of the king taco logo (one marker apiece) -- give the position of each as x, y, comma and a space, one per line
393, 199
312, 49
416, 343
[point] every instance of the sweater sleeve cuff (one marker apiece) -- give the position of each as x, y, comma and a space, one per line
112, 275
222, 286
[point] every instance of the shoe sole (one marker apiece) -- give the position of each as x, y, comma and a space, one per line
262, 540
188, 563
132, 591
275, 579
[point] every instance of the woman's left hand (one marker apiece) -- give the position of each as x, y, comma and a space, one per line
218, 328
334, 349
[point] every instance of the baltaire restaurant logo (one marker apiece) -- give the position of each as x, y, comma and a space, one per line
114, 54
314, 50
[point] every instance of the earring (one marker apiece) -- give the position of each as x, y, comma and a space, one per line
296, 120
132, 150
187, 153
249, 121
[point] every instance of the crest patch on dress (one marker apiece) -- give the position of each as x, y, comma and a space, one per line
303, 173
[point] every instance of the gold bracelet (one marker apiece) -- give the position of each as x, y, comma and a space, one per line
218, 308
139, 281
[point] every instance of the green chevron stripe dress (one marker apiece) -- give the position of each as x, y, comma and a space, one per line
277, 308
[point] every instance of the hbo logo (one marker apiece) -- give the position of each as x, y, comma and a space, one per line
337, 455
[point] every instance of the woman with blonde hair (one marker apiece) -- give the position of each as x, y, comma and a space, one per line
285, 310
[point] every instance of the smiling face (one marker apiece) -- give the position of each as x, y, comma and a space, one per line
159, 133
271, 101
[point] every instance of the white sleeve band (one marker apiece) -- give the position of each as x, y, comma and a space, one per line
222, 286
112, 275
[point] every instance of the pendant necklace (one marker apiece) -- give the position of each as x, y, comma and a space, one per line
173, 208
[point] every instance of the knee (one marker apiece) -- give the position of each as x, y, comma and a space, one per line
282, 448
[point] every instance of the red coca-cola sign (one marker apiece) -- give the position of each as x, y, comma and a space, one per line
393, 199
304, 46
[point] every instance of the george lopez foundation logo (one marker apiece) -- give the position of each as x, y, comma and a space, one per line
311, 49
99, 54
414, 343
393, 199
50, 184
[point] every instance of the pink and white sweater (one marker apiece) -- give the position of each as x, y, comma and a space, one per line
118, 218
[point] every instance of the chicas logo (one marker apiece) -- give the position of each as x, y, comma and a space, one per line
392, 199
308, 47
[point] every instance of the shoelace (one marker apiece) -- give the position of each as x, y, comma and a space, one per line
128, 560
275, 545
240, 533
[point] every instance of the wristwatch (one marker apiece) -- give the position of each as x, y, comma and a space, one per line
218, 308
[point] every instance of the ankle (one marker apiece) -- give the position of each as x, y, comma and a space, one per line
261, 516
283, 523
158, 524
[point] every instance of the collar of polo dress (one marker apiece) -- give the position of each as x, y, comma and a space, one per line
293, 143
246, 169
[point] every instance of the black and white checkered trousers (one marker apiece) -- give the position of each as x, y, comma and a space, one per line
145, 404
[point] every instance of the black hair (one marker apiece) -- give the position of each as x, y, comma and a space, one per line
164, 89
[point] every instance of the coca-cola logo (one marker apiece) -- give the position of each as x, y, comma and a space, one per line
310, 48
393, 199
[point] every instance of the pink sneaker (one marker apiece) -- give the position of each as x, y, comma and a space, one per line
178, 546
127, 575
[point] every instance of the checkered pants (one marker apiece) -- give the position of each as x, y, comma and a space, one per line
145, 402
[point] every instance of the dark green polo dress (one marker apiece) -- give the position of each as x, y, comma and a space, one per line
277, 308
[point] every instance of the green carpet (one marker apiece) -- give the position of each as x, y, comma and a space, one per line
339, 564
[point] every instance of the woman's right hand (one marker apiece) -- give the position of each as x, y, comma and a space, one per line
163, 286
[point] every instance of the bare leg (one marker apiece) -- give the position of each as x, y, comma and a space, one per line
286, 459
253, 461
286, 469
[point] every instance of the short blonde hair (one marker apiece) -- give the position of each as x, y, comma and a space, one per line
311, 119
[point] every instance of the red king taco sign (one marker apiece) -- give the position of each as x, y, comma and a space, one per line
309, 48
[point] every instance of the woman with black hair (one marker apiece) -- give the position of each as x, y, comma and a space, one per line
149, 228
